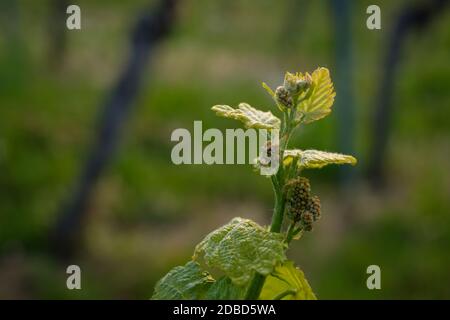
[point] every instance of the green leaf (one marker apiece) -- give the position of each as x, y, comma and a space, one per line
317, 104
251, 117
315, 159
224, 289
188, 282
287, 282
241, 248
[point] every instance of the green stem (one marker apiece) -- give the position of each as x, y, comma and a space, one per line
285, 293
292, 232
255, 288
258, 280
289, 233
277, 217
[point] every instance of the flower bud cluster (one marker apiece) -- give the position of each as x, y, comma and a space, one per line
302, 207
293, 86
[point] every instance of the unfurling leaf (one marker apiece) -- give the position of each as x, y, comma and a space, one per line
251, 117
224, 289
315, 159
317, 104
287, 282
241, 248
269, 90
186, 282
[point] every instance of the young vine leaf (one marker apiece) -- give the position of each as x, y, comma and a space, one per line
287, 282
188, 282
315, 159
224, 289
319, 101
251, 117
241, 248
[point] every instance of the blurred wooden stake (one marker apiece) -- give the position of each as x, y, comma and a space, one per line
415, 16
151, 28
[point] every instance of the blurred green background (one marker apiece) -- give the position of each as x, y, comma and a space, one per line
145, 214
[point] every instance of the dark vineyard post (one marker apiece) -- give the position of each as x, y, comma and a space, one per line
151, 28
